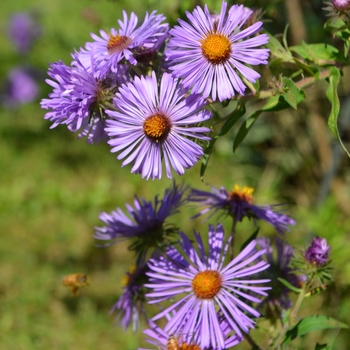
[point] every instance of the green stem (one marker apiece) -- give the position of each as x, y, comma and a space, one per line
233, 232
291, 320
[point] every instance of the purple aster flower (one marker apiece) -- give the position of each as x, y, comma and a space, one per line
20, 88
78, 99
151, 124
279, 268
130, 306
318, 252
23, 30
211, 54
208, 286
147, 225
109, 50
239, 203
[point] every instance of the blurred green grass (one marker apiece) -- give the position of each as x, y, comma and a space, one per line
53, 187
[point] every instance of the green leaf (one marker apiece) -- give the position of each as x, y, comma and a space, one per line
250, 238
312, 323
289, 286
293, 96
232, 118
244, 129
278, 50
322, 54
332, 95
206, 156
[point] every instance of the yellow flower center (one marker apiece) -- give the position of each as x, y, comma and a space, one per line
243, 194
207, 284
157, 126
126, 278
186, 346
118, 43
216, 48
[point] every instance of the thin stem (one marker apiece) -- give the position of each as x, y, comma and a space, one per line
251, 341
233, 233
291, 320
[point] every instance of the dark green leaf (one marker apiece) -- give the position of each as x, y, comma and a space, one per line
206, 156
232, 118
289, 286
250, 238
312, 323
332, 95
245, 127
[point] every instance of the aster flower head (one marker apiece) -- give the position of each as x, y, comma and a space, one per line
131, 304
20, 88
78, 99
23, 30
153, 123
146, 224
211, 53
112, 48
318, 252
239, 203
217, 297
279, 268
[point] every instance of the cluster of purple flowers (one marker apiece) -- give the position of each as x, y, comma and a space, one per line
112, 90
213, 300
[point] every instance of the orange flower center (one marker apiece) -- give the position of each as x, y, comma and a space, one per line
157, 126
242, 194
118, 43
207, 284
216, 48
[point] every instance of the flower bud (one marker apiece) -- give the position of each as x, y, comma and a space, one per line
341, 5
318, 252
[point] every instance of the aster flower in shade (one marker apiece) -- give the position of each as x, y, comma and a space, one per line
279, 268
145, 224
211, 53
130, 306
23, 30
152, 124
239, 203
318, 252
20, 88
78, 99
110, 49
216, 297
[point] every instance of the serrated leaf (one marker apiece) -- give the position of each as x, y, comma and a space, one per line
310, 324
332, 95
232, 118
289, 286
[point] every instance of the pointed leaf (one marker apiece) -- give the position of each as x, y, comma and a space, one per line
332, 95
293, 96
232, 118
250, 238
312, 323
